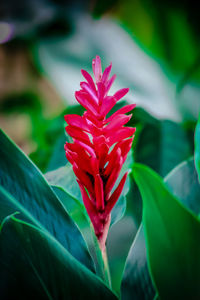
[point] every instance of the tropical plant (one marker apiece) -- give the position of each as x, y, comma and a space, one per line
54, 226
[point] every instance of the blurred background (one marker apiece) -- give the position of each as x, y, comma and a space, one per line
155, 50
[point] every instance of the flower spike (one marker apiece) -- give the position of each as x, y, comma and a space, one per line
95, 164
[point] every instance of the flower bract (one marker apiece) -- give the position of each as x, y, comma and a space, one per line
100, 146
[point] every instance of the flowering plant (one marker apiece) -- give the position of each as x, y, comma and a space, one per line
46, 246
100, 146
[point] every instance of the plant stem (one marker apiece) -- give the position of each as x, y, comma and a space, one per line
106, 268
100, 260
99, 256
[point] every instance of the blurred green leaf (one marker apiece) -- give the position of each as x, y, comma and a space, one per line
61, 59
24, 189
44, 132
136, 279
197, 147
134, 203
172, 238
30, 104
48, 135
58, 157
159, 53
183, 183
163, 30
50, 154
162, 145
31, 22
33, 265
26, 101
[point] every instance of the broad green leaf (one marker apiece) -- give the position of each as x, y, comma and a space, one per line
33, 265
25, 189
182, 181
172, 238
197, 147
136, 282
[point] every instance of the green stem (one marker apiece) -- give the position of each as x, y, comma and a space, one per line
106, 268
101, 261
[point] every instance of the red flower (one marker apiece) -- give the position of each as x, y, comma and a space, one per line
100, 146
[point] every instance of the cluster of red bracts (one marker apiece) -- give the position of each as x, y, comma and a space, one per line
100, 146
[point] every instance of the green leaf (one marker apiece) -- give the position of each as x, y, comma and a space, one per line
58, 157
78, 213
24, 189
197, 147
134, 203
73, 206
159, 144
33, 265
50, 138
64, 178
172, 238
182, 181
136, 278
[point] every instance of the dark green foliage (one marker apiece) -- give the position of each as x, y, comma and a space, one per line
47, 245
33, 265
25, 190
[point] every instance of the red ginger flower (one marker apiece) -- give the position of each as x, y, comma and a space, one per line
100, 146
